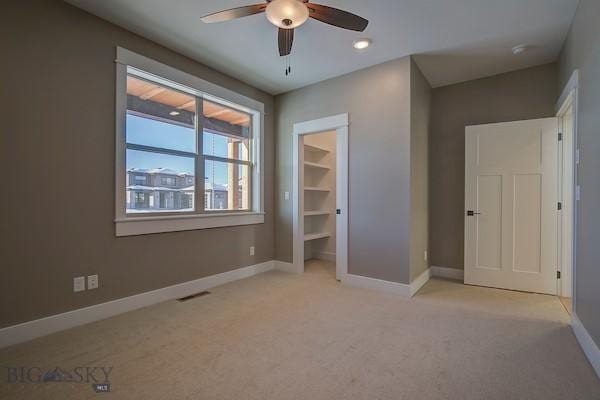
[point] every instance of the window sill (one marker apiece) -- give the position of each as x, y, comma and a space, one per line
130, 226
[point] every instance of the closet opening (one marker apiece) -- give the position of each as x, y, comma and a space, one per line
321, 196
319, 202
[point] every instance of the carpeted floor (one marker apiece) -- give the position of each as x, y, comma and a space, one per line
281, 336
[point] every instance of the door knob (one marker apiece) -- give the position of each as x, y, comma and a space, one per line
470, 213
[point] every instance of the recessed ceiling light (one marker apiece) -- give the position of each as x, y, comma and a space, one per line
174, 113
362, 44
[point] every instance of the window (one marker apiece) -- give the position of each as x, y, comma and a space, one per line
168, 180
226, 149
178, 143
142, 200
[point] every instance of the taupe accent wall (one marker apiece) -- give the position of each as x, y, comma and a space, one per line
378, 102
420, 116
520, 95
57, 148
582, 51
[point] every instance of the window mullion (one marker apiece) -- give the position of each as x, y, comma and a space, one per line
199, 157
158, 150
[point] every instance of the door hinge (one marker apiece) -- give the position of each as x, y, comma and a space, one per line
559, 136
557, 274
559, 205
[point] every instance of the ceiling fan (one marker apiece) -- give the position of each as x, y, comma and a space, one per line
290, 14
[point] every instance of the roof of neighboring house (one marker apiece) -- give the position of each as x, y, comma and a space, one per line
215, 186
159, 188
165, 171
207, 186
161, 171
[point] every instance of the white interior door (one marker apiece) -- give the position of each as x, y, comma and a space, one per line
511, 174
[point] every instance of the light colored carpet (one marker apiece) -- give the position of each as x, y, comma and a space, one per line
281, 336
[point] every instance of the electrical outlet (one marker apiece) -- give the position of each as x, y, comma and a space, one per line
79, 284
92, 282
425, 255
251, 250
286, 195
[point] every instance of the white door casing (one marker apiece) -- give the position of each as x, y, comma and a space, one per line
511, 181
339, 124
566, 110
565, 175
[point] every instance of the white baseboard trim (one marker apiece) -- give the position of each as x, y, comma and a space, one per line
325, 256
419, 282
376, 284
285, 267
449, 273
586, 342
54, 323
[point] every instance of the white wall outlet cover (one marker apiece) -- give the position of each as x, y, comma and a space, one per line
251, 250
92, 282
79, 284
286, 195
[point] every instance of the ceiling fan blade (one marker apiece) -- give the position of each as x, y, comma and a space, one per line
336, 17
285, 39
234, 13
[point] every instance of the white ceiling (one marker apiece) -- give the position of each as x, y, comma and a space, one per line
453, 40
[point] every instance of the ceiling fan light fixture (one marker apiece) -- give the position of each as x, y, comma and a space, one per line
287, 14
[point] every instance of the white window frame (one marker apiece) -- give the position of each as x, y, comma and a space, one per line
132, 224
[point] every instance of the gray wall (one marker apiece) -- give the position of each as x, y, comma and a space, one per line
420, 101
377, 100
58, 144
582, 51
525, 94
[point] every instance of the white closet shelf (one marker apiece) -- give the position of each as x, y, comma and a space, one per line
316, 212
316, 165
316, 189
314, 236
312, 147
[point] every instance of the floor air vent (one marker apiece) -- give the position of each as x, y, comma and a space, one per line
193, 296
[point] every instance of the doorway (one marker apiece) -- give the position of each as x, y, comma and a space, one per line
320, 188
568, 191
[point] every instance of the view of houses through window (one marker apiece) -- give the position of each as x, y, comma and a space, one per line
167, 146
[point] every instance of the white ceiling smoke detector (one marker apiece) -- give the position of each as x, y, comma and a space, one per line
522, 48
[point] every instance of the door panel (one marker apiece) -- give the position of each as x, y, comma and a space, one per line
489, 224
527, 223
511, 185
